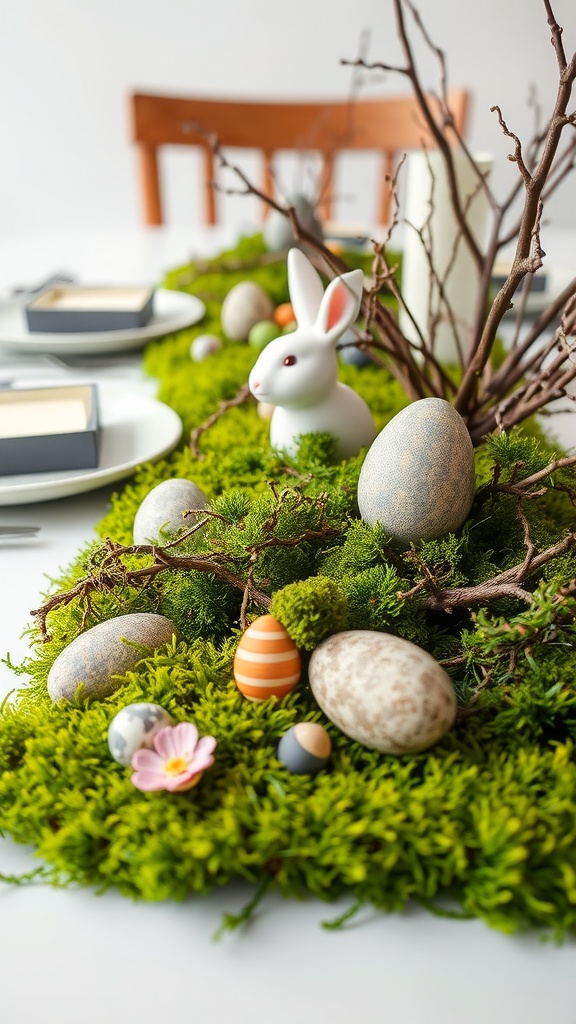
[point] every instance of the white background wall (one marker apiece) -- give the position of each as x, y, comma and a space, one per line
67, 65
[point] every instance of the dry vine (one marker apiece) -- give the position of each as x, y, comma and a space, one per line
112, 572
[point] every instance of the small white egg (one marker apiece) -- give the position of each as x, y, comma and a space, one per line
204, 345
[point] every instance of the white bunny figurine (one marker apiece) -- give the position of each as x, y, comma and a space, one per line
298, 373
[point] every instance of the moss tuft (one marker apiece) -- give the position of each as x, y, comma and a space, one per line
310, 610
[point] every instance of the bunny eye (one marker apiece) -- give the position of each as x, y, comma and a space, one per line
290, 360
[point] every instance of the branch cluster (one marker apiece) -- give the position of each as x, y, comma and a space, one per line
112, 568
539, 364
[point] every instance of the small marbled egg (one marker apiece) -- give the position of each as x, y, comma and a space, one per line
204, 345
160, 515
305, 749
135, 726
417, 479
95, 657
245, 305
267, 662
382, 691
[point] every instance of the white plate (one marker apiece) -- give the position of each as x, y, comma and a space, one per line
173, 311
134, 430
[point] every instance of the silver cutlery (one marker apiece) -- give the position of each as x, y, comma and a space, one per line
19, 531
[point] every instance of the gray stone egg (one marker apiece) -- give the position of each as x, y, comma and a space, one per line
382, 691
245, 305
134, 727
96, 656
159, 516
278, 231
417, 479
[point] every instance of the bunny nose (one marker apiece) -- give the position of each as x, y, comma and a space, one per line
256, 384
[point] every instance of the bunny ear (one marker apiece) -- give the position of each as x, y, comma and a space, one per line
306, 288
340, 305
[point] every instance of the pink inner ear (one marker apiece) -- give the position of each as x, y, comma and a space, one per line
337, 305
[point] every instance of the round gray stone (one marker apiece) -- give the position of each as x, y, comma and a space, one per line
159, 516
95, 657
417, 479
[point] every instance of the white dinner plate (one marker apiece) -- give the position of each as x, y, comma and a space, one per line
134, 429
173, 311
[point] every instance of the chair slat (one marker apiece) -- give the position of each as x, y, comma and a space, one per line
388, 125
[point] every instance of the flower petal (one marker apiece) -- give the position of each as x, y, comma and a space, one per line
186, 737
175, 782
166, 744
203, 754
148, 781
147, 760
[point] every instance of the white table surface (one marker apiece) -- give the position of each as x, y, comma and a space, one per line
71, 957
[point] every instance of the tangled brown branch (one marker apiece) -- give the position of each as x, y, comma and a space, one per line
111, 573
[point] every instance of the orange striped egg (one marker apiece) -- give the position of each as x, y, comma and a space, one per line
267, 662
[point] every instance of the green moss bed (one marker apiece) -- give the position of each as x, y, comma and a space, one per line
483, 825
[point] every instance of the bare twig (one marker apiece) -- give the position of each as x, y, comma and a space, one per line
243, 395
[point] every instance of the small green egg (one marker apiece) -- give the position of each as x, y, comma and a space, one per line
290, 327
262, 333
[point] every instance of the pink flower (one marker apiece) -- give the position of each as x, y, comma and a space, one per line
177, 762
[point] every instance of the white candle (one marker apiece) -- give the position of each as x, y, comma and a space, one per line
426, 186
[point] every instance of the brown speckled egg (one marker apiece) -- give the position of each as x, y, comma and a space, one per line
110, 649
417, 479
382, 691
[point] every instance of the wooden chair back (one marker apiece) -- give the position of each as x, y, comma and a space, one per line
389, 125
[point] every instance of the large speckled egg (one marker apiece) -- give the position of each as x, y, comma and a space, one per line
305, 749
159, 516
417, 479
267, 662
95, 657
245, 305
382, 691
135, 726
